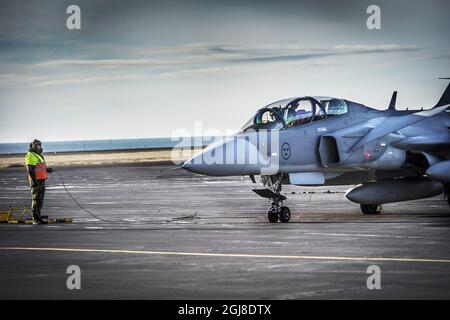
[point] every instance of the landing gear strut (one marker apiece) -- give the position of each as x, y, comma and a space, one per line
371, 208
276, 211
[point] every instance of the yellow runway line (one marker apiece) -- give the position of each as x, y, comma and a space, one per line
227, 255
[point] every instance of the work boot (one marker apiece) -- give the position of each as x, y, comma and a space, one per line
37, 218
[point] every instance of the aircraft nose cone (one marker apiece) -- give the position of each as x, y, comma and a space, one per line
197, 164
234, 156
189, 165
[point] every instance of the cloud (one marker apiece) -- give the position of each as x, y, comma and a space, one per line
381, 47
109, 62
199, 58
296, 54
216, 53
13, 80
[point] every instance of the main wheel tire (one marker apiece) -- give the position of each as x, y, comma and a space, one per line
285, 214
371, 209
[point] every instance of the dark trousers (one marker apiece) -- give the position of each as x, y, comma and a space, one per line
37, 199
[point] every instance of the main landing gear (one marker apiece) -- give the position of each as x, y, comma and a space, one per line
447, 193
371, 208
276, 211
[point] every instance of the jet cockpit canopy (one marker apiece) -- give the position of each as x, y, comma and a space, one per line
294, 112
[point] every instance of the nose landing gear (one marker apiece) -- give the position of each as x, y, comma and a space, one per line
276, 211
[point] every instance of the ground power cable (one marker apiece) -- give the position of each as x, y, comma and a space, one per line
93, 215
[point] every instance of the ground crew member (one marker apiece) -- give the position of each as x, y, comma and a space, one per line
37, 174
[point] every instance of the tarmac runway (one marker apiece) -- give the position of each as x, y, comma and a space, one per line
176, 235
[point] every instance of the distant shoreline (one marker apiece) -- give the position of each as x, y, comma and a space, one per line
120, 145
15, 154
104, 157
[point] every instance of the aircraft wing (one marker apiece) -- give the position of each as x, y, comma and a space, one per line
392, 124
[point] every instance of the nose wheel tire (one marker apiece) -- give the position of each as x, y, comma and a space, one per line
272, 215
276, 213
285, 214
371, 209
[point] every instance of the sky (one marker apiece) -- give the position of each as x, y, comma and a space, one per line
141, 69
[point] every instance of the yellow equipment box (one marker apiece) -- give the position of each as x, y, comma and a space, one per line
26, 217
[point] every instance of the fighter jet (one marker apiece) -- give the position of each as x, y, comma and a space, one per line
390, 155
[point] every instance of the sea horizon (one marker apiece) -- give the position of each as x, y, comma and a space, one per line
106, 144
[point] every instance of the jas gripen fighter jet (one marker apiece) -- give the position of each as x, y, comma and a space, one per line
393, 155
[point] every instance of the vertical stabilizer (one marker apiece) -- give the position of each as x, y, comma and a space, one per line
445, 98
393, 101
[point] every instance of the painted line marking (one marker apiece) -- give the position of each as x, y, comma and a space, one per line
361, 235
230, 255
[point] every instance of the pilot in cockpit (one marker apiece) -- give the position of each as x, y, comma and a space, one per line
297, 115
